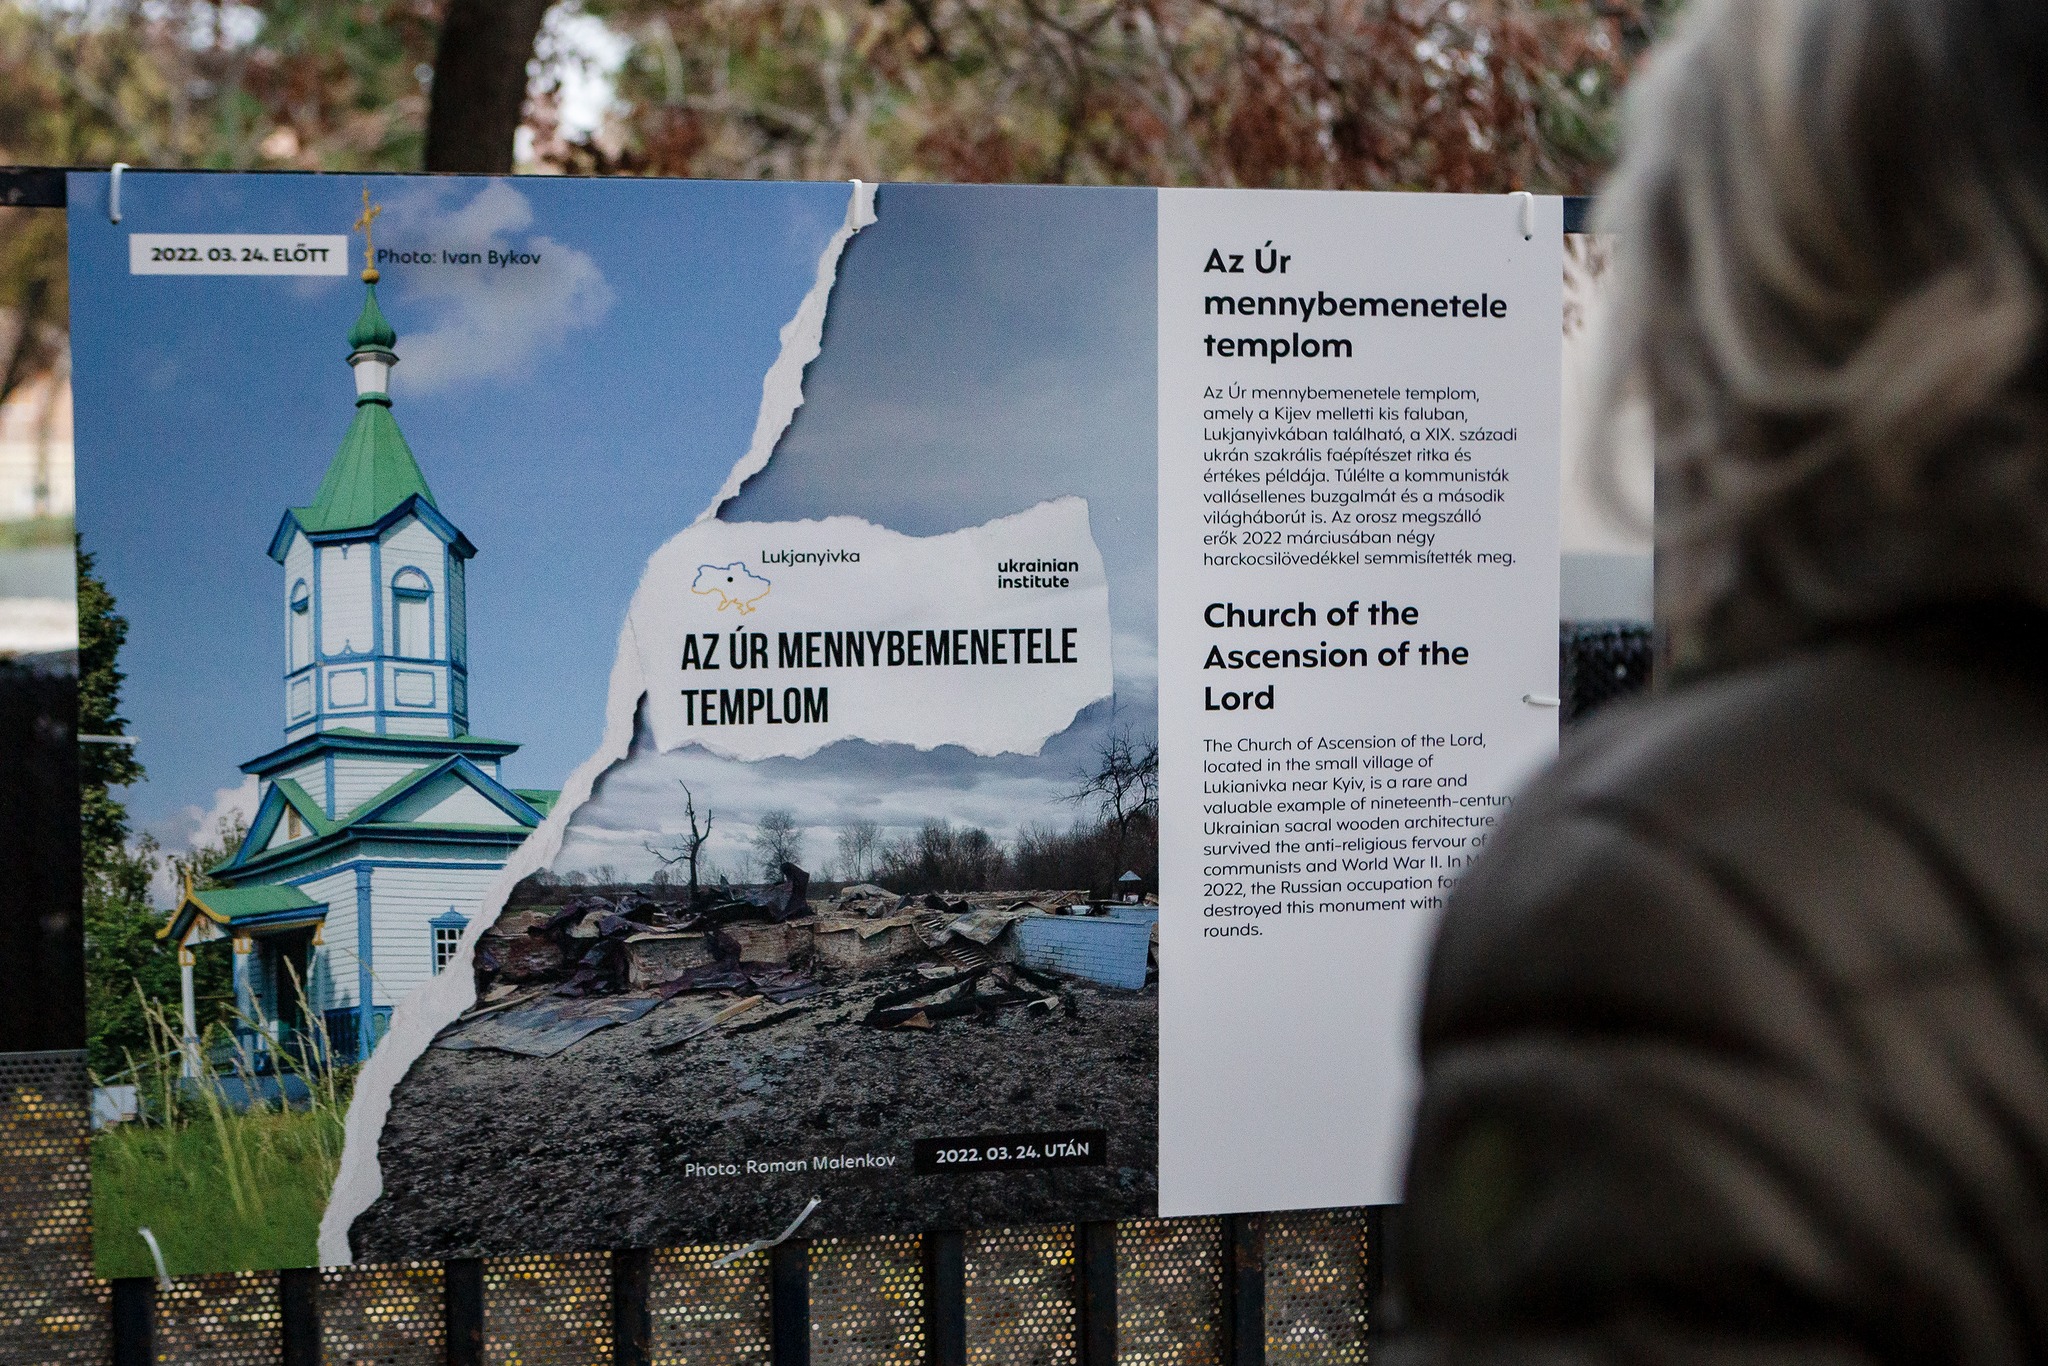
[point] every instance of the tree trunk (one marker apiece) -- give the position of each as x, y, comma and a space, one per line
480, 83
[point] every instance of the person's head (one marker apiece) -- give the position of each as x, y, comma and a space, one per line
1833, 228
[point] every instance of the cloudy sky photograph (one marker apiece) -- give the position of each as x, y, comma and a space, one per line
987, 348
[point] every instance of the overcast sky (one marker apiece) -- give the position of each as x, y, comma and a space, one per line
986, 348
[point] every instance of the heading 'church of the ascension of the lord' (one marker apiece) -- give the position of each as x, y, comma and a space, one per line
381, 821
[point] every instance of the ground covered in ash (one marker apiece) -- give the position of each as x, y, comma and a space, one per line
489, 1153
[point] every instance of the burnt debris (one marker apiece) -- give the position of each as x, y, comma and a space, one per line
866, 957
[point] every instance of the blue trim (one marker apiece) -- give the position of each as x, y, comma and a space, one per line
366, 1022
297, 917
245, 990
319, 641
265, 868
481, 865
413, 505
447, 920
377, 626
390, 746
463, 767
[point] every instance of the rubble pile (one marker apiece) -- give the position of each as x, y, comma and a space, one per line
549, 975
725, 939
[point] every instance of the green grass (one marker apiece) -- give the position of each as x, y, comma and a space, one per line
32, 532
220, 1191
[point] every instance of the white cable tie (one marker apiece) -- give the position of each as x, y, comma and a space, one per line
85, 739
163, 1277
763, 1244
1527, 203
114, 197
1538, 700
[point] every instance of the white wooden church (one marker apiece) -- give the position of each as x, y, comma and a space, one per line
381, 820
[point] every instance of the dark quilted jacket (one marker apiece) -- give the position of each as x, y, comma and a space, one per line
1736, 1040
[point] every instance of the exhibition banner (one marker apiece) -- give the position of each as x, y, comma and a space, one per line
670, 706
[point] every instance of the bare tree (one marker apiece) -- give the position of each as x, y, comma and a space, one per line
859, 842
1124, 786
686, 849
777, 840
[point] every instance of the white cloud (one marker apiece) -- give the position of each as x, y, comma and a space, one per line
195, 826
487, 321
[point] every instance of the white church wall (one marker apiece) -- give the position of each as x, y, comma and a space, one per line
357, 778
410, 545
435, 725
298, 569
405, 901
312, 776
450, 801
337, 890
345, 624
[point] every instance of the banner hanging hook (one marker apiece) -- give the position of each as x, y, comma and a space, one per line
114, 191
1526, 202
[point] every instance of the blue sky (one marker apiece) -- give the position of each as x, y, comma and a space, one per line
569, 419
987, 348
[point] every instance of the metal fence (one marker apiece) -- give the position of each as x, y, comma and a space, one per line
1300, 1287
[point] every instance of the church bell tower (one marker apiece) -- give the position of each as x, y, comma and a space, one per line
375, 632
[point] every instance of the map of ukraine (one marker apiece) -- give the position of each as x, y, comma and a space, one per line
734, 585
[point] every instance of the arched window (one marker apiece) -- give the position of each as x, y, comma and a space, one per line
412, 615
299, 648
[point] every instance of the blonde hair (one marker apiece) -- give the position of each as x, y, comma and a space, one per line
1832, 225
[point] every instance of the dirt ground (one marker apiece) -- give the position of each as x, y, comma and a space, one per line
489, 1153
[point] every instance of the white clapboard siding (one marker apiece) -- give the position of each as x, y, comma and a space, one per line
313, 777
409, 545
336, 972
450, 801
406, 900
357, 778
417, 725
298, 569
345, 625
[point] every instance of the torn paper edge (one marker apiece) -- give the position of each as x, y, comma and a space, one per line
782, 391
431, 1007
1058, 504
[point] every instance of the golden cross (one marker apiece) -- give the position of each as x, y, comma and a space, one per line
365, 222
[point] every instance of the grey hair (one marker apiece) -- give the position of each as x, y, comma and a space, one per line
1832, 224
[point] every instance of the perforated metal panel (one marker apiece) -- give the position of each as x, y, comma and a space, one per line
382, 1315
220, 1321
552, 1310
703, 1315
1315, 1287
1169, 1292
867, 1302
1020, 1297
51, 1308
866, 1295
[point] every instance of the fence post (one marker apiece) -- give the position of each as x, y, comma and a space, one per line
1095, 1293
462, 1307
1244, 1290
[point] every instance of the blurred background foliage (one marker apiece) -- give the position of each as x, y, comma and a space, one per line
1463, 95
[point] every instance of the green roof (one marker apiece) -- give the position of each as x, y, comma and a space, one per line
372, 473
541, 799
239, 903
373, 331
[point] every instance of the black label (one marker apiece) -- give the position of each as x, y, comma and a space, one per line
1010, 1152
